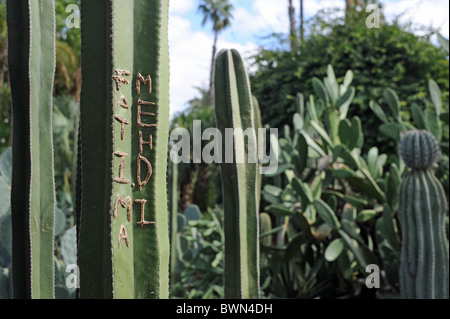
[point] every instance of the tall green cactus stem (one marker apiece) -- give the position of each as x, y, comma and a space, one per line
173, 218
123, 244
234, 110
261, 138
424, 270
31, 58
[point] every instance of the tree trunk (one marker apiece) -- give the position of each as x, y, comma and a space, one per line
349, 4
302, 30
186, 192
293, 33
201, 187
211, 74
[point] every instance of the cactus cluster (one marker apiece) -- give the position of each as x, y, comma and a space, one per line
422, 207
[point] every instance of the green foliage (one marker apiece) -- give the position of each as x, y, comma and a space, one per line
388, 57
337, 206
68, 49
218, 11
422, 206
5, 224
71, 36
5, 92
234, 109
31, 60
202, 180
432, 116
199, 255
123, 246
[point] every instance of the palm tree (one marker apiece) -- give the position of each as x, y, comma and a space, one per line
219, 13
293, 34
302, 30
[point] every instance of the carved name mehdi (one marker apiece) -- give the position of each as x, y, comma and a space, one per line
120, 78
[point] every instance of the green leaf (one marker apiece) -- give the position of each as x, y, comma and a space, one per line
192, 213
298, 122
314, 146
312, 109
303, 190
273, 190
279, 210
300, 161
60, 221
323, 134
393, 102
418, 116
435, 93
349, 132
316, 187
392, 130
344, 102
326, 214
357, 202
352, 230
378, 111
355, 250
348, 78
334, 250
366, 215
320, 90
433, 124
343, 173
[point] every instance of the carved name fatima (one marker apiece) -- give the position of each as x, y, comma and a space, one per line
120, 79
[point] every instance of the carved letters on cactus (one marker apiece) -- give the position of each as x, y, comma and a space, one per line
120, 78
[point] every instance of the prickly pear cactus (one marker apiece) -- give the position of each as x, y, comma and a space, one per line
422, 207
234, 109
123, 233
31, 58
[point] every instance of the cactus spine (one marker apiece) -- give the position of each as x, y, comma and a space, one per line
123, 244
31, 57
234, 110
424, 270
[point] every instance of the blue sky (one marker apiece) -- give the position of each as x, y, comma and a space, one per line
191, 43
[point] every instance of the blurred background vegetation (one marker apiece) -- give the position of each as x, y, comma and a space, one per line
383, 76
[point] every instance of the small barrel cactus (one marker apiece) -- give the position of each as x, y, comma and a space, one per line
420, 150
424, 270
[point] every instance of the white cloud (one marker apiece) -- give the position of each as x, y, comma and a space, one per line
180, 6
190, 60
424, 12
268, 16
190, 51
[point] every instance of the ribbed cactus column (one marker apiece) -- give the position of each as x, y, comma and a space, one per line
123, 245
31, 59
424, 271
239, 172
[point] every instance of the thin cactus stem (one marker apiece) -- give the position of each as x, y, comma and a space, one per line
31, 58
234, 109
